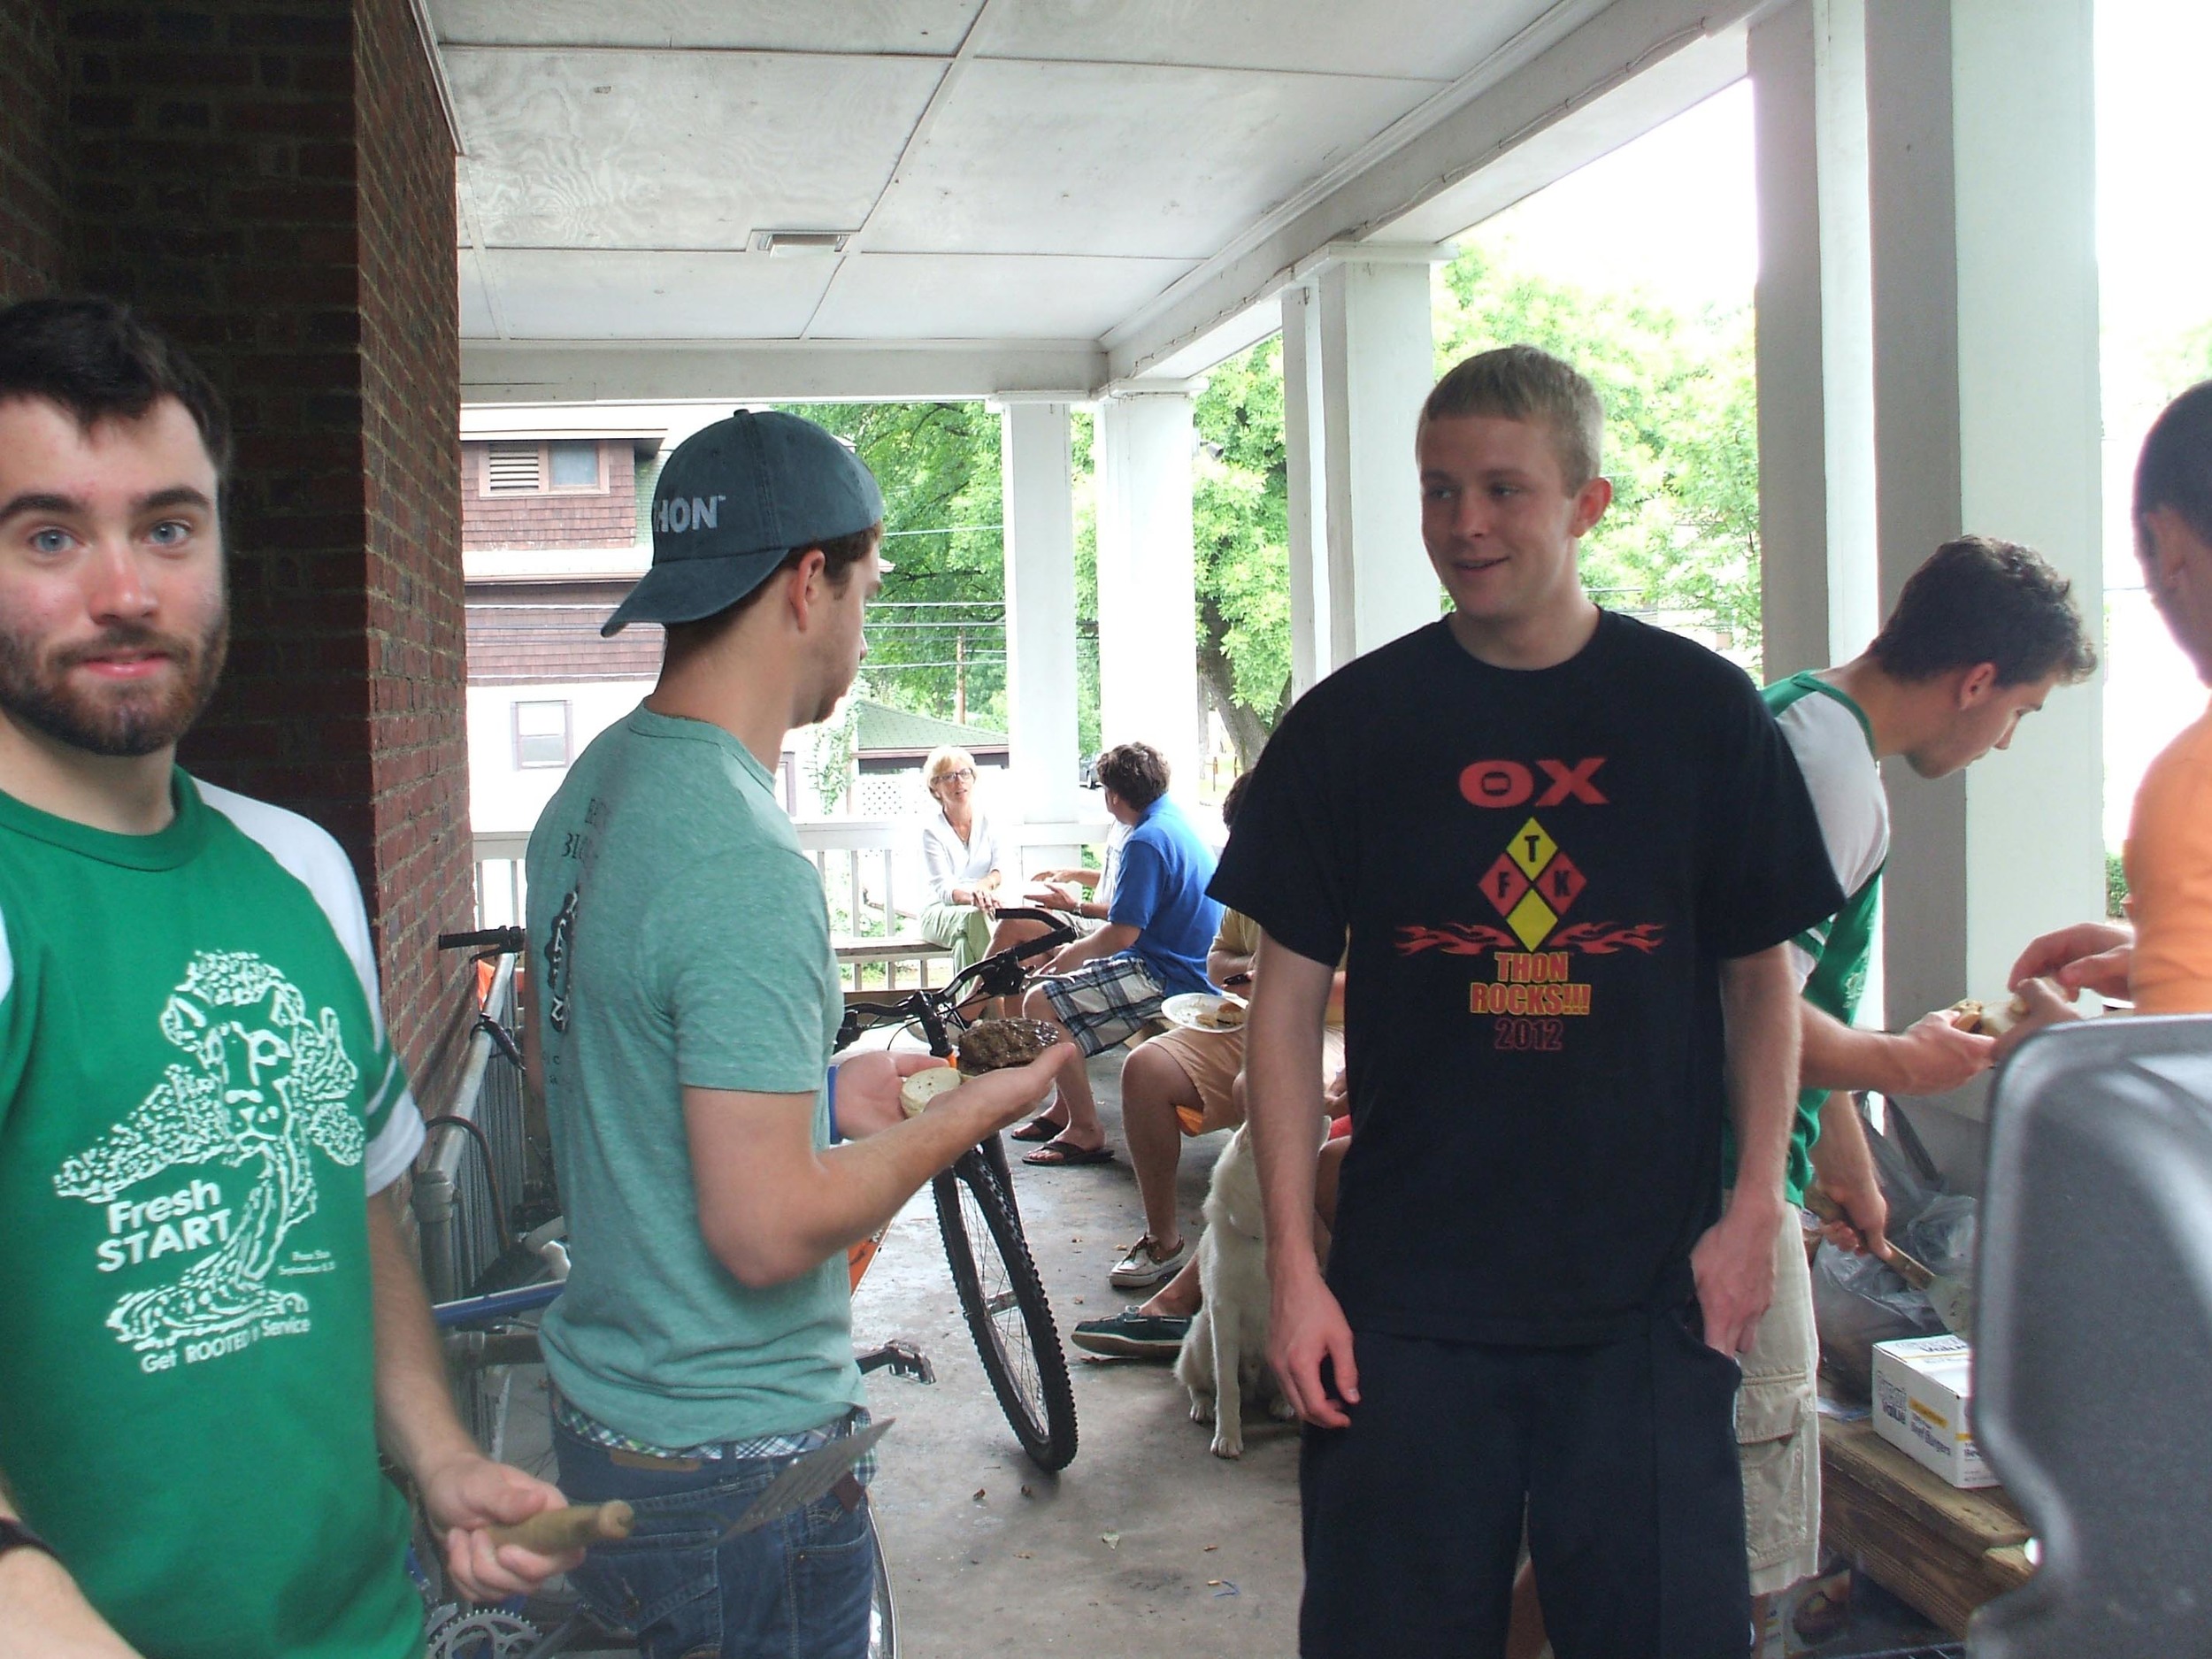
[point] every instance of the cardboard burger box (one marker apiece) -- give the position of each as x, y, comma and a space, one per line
1923, 1392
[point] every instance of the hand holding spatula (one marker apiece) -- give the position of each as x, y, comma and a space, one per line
1951, 1297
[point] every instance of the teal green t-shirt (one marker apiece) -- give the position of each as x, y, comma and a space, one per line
680, 939
196, 1096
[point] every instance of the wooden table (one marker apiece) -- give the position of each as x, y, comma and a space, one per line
1943, 1549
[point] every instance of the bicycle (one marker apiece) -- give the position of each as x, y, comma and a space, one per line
1002, 1297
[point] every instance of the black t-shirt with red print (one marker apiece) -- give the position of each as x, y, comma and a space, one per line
1540, 871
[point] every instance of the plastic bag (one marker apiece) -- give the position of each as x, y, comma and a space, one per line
1858, 1301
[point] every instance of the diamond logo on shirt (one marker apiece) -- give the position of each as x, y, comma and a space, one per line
1533, 884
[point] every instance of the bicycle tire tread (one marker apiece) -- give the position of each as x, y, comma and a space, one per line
1050, 1444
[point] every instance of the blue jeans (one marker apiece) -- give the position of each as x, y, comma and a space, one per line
797, 1589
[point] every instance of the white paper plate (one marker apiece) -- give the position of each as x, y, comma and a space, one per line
1202, 1010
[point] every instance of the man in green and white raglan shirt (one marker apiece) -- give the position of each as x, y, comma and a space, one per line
210, 1322
688, 1005
1981, 634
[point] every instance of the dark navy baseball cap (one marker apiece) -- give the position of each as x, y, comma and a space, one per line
732, 501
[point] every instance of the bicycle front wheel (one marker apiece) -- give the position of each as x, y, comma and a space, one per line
1004, 1301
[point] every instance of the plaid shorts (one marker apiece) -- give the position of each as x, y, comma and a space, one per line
1105, 1002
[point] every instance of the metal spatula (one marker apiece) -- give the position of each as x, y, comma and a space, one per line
1952, 1298
807, 1478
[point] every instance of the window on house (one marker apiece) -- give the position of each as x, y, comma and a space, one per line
542, 733
574, 464
514, 469
517, 467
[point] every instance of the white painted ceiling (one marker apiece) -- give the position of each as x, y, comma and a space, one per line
1012, 169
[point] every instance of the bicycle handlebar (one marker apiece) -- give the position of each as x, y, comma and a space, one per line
1000, 975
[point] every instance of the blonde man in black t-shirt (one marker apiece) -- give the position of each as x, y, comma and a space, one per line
1568, 851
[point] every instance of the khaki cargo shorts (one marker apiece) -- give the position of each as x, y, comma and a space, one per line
1211, 1060
1777, 1427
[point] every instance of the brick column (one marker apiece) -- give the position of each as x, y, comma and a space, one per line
34, 225
410, 442
274, 182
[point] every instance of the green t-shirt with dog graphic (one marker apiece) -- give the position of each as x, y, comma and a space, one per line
196, 1096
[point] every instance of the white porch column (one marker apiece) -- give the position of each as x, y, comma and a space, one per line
1148, 592
1820, 590
1306, 510
1378, 363
1982, 150
1039, 548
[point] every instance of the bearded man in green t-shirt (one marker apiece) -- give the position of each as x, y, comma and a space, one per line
211, 1322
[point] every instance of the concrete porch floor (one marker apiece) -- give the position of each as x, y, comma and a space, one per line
988, 1555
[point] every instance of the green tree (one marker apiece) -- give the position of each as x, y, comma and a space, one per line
937, 638
1241, 541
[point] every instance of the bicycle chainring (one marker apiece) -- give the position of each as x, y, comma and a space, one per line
482, 1633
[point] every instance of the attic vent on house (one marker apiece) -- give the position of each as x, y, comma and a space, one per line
787, 244
514, 469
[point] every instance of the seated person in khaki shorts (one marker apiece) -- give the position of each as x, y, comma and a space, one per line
1186, 1083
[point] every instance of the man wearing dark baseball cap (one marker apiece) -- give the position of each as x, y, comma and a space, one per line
687, 1000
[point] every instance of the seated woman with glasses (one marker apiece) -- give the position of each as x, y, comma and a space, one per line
961, 853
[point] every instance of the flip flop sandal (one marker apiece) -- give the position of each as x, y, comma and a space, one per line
1057, 1154
1037, 1129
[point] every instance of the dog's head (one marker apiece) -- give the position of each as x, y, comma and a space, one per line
1235, 1188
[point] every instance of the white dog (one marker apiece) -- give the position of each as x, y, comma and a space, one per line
1224, 1362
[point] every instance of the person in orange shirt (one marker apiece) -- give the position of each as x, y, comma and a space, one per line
2163, 961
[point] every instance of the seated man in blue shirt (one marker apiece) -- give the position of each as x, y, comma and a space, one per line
1153, 944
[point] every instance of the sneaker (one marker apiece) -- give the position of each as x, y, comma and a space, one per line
1131, 1334
1144, 1266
